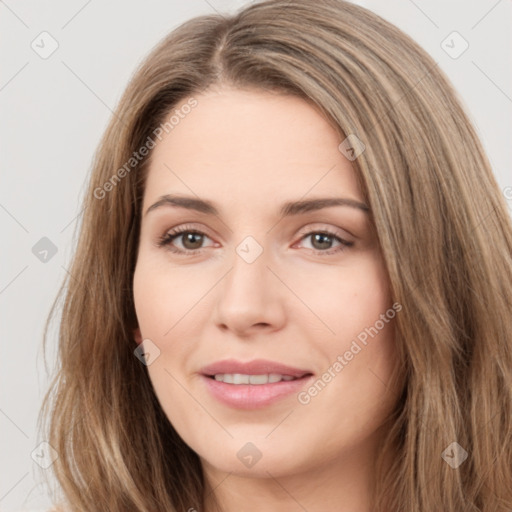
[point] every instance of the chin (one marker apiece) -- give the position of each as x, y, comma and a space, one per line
254, 459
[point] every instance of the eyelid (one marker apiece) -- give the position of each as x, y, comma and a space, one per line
326, 228
179, 230
344, 242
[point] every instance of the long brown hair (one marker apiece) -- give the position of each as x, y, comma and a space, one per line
441, 221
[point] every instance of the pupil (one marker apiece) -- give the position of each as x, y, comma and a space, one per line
190, 237
321, 237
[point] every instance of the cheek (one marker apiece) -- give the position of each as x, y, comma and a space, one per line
344, 299
162, 299
365, 341
163, 296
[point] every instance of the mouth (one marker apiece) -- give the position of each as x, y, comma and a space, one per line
254, 384
255, 380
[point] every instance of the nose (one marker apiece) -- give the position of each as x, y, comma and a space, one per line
250, 298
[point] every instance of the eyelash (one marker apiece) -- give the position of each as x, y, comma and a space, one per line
168, 238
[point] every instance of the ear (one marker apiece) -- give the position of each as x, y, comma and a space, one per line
137, 336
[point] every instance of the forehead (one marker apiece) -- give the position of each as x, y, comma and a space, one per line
249, 145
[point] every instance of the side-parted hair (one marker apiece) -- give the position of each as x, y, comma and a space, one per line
441, 221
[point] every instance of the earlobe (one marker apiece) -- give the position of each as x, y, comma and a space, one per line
137, 336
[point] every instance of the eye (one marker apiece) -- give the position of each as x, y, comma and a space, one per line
191, 240
323, 239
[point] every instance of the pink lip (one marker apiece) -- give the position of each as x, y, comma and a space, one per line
253, 396
256, 367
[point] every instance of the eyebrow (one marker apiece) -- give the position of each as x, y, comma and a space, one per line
287, 209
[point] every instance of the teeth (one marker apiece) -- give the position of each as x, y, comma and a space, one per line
260, 379
240, 378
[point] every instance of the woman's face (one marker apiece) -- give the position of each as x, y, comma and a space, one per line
270, 329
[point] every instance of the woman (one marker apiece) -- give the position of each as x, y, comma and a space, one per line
292, 286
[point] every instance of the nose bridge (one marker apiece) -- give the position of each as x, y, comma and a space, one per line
249, 270
248, 296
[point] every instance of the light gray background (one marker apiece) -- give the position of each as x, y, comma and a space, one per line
55, 110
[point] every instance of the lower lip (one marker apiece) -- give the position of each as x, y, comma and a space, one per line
253, 396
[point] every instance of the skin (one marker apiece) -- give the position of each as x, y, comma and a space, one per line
248, 152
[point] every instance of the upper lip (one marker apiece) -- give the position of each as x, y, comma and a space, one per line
255, 367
